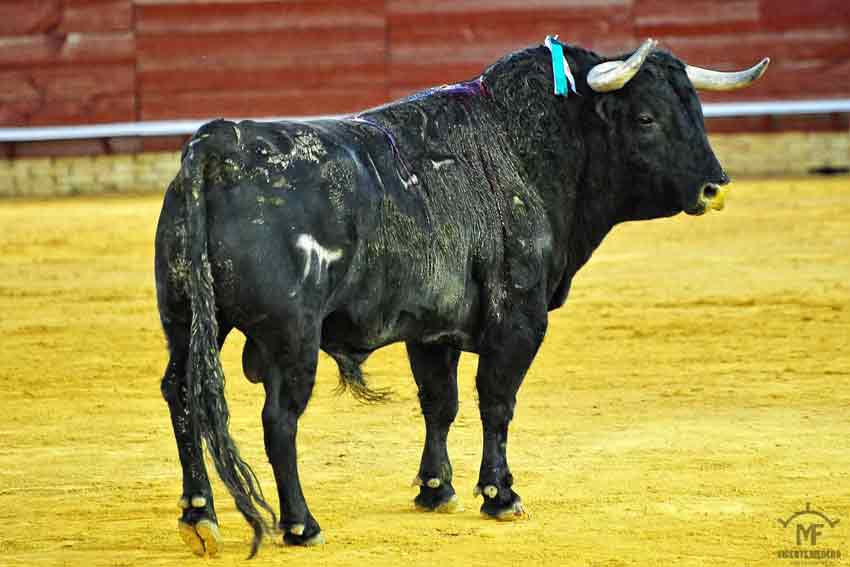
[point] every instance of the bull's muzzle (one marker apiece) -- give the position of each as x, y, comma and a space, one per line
713, 196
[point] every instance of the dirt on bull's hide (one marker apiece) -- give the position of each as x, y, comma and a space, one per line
694, 389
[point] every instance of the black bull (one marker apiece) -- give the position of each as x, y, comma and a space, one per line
453, 220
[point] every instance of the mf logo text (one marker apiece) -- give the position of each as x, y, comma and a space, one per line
810, 525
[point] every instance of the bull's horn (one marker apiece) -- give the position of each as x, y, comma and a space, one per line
706, 80
612, 75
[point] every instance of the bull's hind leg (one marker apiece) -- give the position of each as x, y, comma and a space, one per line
198, 525
288, 378
501, 369
435, 370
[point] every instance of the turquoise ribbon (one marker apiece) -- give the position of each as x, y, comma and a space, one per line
560, 67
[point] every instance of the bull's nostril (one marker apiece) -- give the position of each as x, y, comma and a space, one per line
709, 191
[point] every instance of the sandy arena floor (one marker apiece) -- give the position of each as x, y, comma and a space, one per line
695, 389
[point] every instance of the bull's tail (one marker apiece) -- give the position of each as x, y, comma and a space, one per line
205, 376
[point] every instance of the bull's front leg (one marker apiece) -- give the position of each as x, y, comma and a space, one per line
501, 368
435, 370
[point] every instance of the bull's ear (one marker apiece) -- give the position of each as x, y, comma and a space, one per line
603, 110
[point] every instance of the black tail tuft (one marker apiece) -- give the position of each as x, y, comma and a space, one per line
205, 376
351, 379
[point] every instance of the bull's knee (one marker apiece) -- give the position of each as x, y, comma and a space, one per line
441, 409
495, 417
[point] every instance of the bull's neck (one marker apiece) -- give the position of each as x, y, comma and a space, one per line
602, 199
569, 172
581, 216
595, 215
590, 200
567, 164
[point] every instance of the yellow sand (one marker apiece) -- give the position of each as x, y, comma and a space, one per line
695, 389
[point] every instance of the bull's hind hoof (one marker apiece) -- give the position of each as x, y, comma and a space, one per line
307, 533
441, 498
203, 538
290, 538
508, 509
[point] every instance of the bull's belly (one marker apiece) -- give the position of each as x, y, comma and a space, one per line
369, 323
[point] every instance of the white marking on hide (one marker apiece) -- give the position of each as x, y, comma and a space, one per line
413, 180
324, 257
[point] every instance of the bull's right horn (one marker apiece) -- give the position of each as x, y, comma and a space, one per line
707, 80
613, 75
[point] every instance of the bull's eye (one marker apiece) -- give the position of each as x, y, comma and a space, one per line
645, 119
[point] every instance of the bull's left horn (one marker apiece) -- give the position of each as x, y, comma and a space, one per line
707, 80
613, 75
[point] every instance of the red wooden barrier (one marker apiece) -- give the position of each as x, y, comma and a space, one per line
84, 61
259, 58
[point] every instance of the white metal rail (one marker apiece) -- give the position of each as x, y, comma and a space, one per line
187, 127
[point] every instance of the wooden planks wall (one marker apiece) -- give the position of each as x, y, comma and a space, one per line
259, 58
64, 62
434, 42
90, 61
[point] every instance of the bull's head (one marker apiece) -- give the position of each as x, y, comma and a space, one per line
652, 109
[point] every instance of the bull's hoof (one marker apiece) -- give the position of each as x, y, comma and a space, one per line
308, 534
437, 497
203, 537
317, 538
450, 506
197, 525
504, 506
